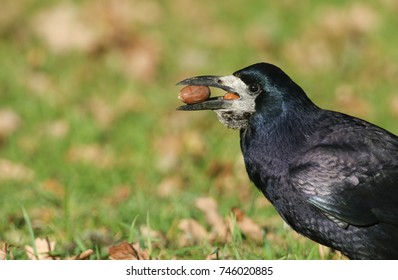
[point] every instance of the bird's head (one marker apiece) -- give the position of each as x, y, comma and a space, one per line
263, 89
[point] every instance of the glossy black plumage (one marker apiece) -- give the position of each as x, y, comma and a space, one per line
331, 177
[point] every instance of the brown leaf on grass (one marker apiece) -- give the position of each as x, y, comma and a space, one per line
101, 110
210, 208
170, 146
316, 56
168, 149
148, 232
170, 186
330, 34
347, 101
9, 123
10, 171
324, 251
44, 247
130, 102
13, 13
194, 12
119, 194
191, 59
142, 59
155, 236
91, 154
63, 29
297, 237
54, 187
258, 37
40, 84
57, 129
128, 251
119, 22
276, 240
327, 253
192, 232
249, 228
41, 217
262, 202
337, 255
3, 251
115, 16
82, 256
357, 19
229, 178
194, 143
217, 168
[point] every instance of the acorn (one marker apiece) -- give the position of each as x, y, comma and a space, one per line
194, 94
231, 95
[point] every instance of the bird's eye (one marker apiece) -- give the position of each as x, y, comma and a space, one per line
254, 88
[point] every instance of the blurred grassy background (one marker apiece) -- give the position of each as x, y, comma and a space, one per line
90, 142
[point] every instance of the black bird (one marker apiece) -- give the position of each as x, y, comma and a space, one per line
332, 177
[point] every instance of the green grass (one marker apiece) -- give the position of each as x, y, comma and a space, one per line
99, 134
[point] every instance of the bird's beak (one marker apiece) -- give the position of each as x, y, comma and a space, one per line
214, 103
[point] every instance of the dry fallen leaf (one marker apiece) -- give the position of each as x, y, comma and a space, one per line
119, 194
63, 29
129, 102
9, 122
210, 208
101, 110
324, 251
92, 154
83, 256
170, 186
337, 255
340, 23
118, 15
330, 33
14, 171
40, 84
43, 246
168, 149
154, 235
128, 251
54, 187
57, 129
347, 101
194, 143
229, 178
141, 60
3, 251
138, 12
248, 227
193, 232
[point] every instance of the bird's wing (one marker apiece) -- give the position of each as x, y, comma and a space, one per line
348, 186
